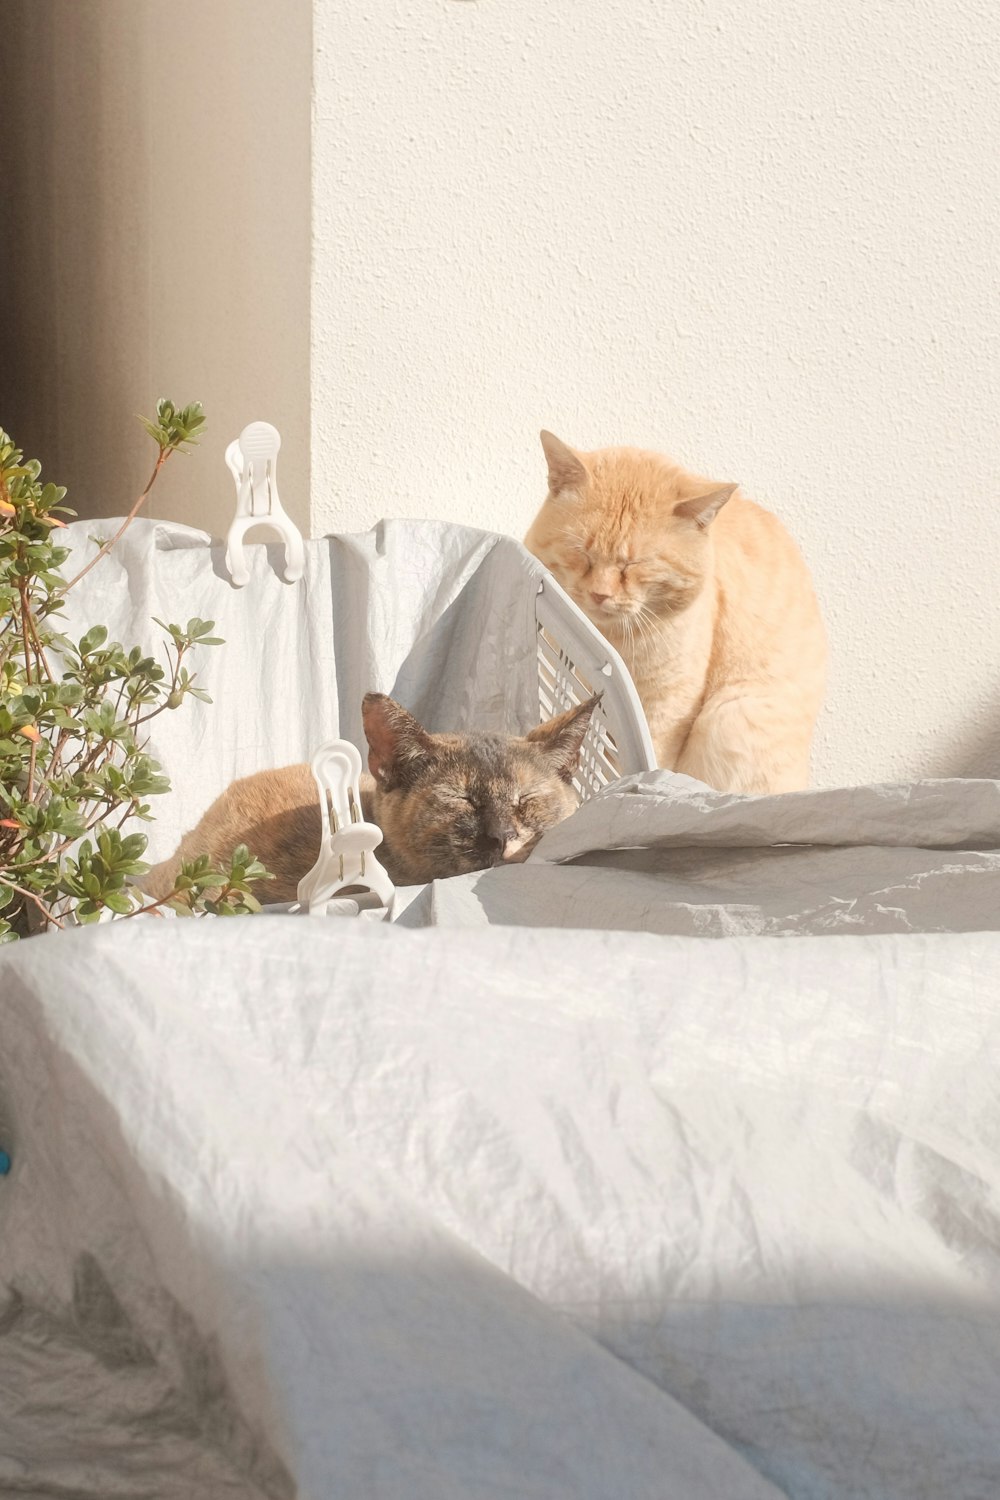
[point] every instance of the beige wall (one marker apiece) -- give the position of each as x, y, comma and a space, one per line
761, 237
149, 149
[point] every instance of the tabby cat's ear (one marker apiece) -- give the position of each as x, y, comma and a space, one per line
562, 737
566, 471
396, 742
704, 509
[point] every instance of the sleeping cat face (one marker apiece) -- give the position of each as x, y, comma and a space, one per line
450, 803
625, 533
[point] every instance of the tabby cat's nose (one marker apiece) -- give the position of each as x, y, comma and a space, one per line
599, 598
495, 841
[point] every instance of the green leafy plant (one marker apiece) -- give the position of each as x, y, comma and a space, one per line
73, 714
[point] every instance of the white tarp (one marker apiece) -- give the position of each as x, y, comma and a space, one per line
422, 1215
308, 1207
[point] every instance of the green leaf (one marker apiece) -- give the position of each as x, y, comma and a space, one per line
118, 902
95, 636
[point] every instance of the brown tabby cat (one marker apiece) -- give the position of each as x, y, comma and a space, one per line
708, 601
446, 803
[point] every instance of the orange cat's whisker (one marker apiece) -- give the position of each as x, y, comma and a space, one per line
646, 625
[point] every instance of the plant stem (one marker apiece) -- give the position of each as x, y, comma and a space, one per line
37, 900
62, 740
175, 677
139, 911
22, 589
41, 661
31, 770
164, 454
130, 809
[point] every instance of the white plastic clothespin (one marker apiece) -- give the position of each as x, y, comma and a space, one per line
348, 843
253, 462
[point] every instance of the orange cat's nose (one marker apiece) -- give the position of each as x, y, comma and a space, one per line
599, 598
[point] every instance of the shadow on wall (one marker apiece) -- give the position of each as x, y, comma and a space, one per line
131, 169
977, 750
76, 264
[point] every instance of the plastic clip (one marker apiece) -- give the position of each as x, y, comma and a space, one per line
347, 846
253, 461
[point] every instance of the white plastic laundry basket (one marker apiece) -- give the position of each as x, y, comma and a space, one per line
574, 661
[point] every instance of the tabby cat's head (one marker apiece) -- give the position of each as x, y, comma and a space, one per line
450, 803
625, 533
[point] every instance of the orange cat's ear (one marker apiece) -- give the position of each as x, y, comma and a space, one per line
704, 509
566, 471
395, 740
562, 737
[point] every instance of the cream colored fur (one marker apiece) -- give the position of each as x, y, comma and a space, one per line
707, 599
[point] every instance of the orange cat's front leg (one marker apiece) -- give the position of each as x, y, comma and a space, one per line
669, 735
670, 713
748, 744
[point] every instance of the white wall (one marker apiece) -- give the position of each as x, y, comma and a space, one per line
155, 239
763, 238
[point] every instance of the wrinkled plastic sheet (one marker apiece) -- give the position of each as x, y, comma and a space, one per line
307, 1207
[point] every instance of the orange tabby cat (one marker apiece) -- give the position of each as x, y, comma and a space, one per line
708, 601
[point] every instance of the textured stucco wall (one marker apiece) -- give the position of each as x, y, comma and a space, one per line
155, 239
762, 238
